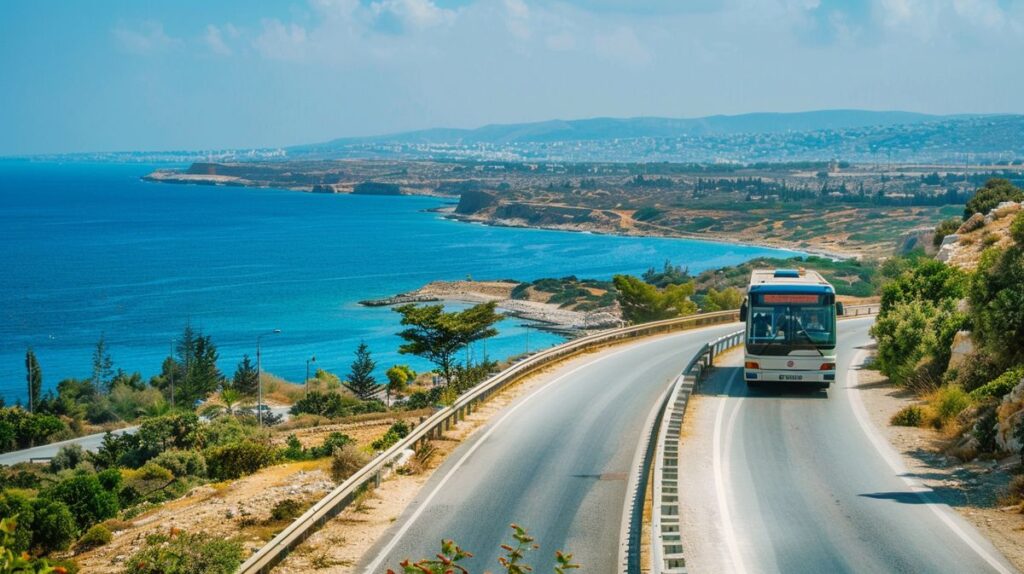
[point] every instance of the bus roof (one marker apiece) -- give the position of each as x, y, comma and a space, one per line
805, 280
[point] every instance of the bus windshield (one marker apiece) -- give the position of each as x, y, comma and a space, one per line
779, 324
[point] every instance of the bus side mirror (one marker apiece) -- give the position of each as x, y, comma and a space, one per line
840, 310
743, 312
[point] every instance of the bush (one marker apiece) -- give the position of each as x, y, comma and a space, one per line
925, 280
95, 537
947, 403
333, 441
227, 430
997, 302
1000, 386
67, 457
110, 479
914, 330
992, 194
235, 460
53, 525
85, 497
345, 461
12, 561
908, 416
182, 463
1014, 490
397, 432
1017, 228
287, 509
185, 553
947, 227
986, 429
142, 483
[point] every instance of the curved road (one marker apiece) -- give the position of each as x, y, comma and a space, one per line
800, 481
554, 461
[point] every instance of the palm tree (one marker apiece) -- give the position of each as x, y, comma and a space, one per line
231, 399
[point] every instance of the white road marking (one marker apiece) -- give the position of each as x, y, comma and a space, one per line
721, 471
895, 461
383, 554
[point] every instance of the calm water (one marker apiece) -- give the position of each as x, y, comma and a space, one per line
91, 249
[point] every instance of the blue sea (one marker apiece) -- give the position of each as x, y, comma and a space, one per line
91, 250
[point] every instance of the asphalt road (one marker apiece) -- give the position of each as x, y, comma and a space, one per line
796, 480
90, 443
555, 461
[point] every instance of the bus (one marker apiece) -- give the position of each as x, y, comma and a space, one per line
790, 317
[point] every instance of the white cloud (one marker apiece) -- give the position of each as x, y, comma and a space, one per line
622, 46
146, 37
412, 14
214, 39
280, 41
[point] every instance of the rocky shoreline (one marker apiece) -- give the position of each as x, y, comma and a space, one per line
550, 317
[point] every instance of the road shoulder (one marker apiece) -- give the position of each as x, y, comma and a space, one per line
971, 489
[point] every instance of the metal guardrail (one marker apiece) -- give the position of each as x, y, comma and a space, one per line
666, 536
337, 500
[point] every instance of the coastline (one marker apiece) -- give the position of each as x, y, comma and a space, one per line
548, 316
448, 212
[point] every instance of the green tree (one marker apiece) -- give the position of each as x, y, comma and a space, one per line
34, 378
438, 336
246, 379
194, 371
360, 377
642, 302
53, 525
996, 297
913, 334
85, 497
924, 280
398, 379
994, 192
102, 366
729, 298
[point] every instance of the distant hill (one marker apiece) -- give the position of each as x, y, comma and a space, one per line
654, 127
854, 135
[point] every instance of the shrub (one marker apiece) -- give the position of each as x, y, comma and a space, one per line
914, 330
180, 429
227, 430
945, 228
186, 553
85, 497
95, 537
53, 526
908, 416
146, 481
110, 479
67, 457
999, 386
398, 431
235, 460
333, 441
287, 509
997, 302
13, 561
992, 194
1017, 228
986, 429
345, 461
182, 463
1014, 490
947, 402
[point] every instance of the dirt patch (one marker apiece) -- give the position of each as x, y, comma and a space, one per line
973, 488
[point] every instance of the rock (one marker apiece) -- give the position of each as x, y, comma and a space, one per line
914, 238
1006, 208
976, 221
473, 201
963, 345
1011, 410
323, 188
947, 248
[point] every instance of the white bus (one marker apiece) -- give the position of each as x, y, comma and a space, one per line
790, 319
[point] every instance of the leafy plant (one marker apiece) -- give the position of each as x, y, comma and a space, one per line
908, 416
185, 553
512, 562
96, 536
236, 460
21, 563
345, 461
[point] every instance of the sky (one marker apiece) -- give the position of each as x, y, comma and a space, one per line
122, 75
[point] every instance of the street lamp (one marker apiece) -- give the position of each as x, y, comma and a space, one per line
259, 376
305, 390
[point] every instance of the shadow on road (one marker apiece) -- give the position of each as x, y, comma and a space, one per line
717, 384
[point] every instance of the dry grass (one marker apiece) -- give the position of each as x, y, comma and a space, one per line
279, 391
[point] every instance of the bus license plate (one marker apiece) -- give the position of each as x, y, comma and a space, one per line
791, 377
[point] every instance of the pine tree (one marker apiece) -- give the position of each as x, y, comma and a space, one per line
360, 379
34, 378
102, 366
246, 379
